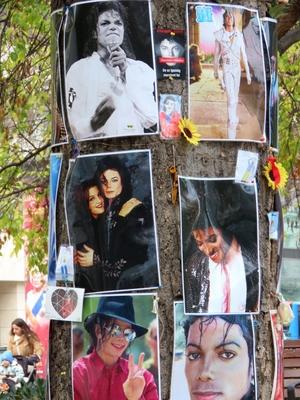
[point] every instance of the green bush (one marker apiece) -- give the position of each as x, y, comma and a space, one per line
28, 391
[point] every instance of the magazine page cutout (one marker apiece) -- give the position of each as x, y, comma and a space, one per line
227, 102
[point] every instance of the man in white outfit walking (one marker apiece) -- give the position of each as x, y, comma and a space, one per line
229, 50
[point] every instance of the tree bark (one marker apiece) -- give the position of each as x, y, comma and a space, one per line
209, 159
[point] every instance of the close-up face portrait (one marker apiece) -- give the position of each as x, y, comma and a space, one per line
169, 106
217, 365
169, 49
110, 29
113, 342
111, 183
210, 242
95, 201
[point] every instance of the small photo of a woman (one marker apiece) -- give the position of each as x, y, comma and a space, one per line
114, 360
169, 116
214, 357
112, 226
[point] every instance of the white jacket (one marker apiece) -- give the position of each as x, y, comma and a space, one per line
89, 81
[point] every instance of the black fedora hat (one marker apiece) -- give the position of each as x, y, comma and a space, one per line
118, 307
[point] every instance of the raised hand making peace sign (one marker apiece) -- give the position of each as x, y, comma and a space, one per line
135, 383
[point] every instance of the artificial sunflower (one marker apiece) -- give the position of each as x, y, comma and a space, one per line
275, 173
189, 130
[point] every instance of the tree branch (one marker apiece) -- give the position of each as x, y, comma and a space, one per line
289, 19
21, 162
288, 40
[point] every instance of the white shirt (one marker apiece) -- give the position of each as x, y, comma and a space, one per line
90, 81
238, 285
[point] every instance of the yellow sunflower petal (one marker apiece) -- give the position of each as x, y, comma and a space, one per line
189, 131
283, 176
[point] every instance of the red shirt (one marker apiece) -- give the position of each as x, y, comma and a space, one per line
93, 380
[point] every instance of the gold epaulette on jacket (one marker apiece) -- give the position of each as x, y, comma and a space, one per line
129, 206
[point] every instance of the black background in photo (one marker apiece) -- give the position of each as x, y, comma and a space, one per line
136, 274
81, 39
170, 43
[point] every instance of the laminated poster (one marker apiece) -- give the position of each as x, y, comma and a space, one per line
219, 246
213, 357
169, 116
111, 224
278, 343
271, 39
227, 84
55, 169
118, 328
109, 72
170, 53
59, 134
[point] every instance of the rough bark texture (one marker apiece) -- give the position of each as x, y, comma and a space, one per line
213, 159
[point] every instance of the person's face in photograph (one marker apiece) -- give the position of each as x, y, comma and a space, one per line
110, 29
95, 202
210, 242
169, 106
17, 330
229, 21
170, 48
37, 279
113, 346
217, 363
111, 183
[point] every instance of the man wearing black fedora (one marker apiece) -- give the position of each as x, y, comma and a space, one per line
104, 374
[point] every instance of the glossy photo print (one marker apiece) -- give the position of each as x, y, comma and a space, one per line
219, 246
170, 53
227, 86
289, 281
59, 134
278, 343
169, 116
111, 224
56, 160
270, 37
214, 357
117, 341
110, 79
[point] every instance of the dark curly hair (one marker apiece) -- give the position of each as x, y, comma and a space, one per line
92, 20
115, 163
245, 325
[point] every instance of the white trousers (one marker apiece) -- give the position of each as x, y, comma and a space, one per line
232, 79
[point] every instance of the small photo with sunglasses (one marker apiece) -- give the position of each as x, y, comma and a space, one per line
115, 347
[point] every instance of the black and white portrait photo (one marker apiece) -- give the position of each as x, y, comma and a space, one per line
219, 242
111, 224
110, 80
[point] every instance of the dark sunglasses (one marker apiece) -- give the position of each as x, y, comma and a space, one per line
128, 333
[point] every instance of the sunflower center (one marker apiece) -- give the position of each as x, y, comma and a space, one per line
187, 132
271, 175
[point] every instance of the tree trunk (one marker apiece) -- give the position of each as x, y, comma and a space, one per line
209, 159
